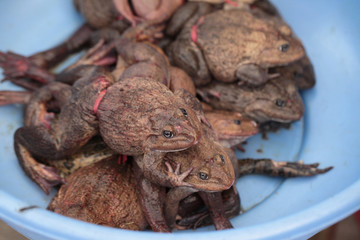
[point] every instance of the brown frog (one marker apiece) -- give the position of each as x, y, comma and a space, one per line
231, 128
103, 193
117, 110
277, 100
249, 45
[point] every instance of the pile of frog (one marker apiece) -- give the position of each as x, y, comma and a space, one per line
140, 131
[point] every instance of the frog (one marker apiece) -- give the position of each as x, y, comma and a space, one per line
167, 123
249, 45
277, 100
102, 193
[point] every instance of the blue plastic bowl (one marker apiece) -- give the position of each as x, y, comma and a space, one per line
275, 209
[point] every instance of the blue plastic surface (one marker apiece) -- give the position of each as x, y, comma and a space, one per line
293, 209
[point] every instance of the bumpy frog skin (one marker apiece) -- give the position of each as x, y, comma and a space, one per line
277, 100
231, 128
117, 110
103, 193
232, 45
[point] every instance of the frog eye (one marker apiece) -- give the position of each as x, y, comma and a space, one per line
222, 159
168, 134
279, 102
184, 112
284, 47
237, 121
203, 176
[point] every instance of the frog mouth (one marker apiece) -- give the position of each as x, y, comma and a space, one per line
225, 136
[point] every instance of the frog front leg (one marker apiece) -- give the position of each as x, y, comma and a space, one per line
281, 169
251, 74
159, 172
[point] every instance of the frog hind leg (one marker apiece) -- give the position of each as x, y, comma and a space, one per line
51, 57
231, 205
282, 169
152, 200
214, 203
18, 66
173, 198
45, 176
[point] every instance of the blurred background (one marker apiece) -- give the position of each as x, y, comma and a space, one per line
347, 229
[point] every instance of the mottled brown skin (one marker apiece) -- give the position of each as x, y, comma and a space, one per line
180, 80
231, 128
277, 100
103, 193
98, 14
249, 45
190, 58
300, 72
138, 100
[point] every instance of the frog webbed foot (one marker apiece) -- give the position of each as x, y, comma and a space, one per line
97, 55
295, 169
17, 66
44, 176
176, 178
